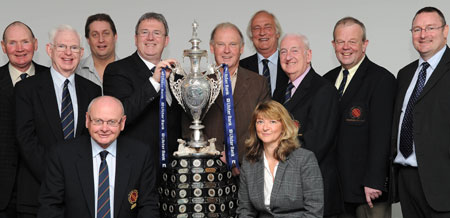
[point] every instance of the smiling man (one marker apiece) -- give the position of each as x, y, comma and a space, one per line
104, 174
313, 102
101, 34
50, 107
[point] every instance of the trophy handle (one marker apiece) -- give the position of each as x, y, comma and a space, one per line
215, 84
175, 86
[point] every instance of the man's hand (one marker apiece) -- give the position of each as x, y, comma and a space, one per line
234, 170
163, 64
371, 194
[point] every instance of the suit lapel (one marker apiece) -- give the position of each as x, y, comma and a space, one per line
82, 102
123, 170
355, 83
259, 181
85, 174
6, 86
140, 67
442, 68
241, 87
301, 91
281, 169
48, 98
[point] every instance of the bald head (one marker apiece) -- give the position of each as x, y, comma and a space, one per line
106, 101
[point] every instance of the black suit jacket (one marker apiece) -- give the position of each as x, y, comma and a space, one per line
431, 124
128, 80
364, 132
315, 105
8, 145
251, 63
68, 190
38, 129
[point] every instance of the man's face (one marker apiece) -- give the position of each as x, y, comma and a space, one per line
102, 40
151, 40
19, 46
349, 45
428, 43
264, 34
227, 47
65, 52
105, 121
294, 57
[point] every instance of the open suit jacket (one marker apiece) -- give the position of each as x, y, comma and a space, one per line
128, 80
38, 129
250, 89
8, 145
363, 140
297, 190
68, 190
431, 124
251, 63
315, 105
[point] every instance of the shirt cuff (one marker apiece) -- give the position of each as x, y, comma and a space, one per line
155, 84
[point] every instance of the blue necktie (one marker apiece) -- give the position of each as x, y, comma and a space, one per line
266, 71
103, 205
23, 76
406, 133
288, 94
343, 82
67, 120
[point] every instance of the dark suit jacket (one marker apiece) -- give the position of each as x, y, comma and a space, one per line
8, 145
431, 120
250, 89
68, 190
315, 105
38, 129
128, 80
251, 63
297, 190
364, 131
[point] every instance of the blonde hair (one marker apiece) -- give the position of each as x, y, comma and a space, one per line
289, 141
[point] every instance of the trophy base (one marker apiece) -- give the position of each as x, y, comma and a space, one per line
189, 150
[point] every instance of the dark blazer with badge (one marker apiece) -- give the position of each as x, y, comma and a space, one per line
363, 140
68, 190
39, 128
250, 89
8, 145
431, 119
128, 80
315, 105
251, 63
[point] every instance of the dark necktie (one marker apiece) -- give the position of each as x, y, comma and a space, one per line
343, 82
406, 133
103, 205
23, 76
152, 70
67, 120
266, 71
288, 94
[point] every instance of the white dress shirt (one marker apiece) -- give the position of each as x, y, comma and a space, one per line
156, 84
15, 73
273, 67
268, 181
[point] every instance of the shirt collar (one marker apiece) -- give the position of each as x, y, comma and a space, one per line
15, 73
272, 59
297, 81
96, 149
149, 64
434, 61
353, 70
59, 79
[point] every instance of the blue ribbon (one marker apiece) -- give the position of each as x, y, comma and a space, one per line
228, 121
162, 121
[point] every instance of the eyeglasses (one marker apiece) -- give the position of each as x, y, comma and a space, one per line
63, 48
428, 29
350, 42
110, 123
146, 33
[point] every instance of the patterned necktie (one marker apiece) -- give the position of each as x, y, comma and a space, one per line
67, 120
343, 82
406, 133
23, 76
266, 71
103, 205
288, 94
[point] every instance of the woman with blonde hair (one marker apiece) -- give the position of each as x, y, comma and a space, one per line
278, 178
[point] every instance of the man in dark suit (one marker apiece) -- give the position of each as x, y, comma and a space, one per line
49, 108
367, 93
248, 88
420, 134
313, 102
19, 45
264, 30
101, 175
134, 81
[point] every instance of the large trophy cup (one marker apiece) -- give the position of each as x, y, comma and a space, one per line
197, 183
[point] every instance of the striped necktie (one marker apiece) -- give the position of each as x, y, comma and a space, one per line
266, 70
67, 120
103, 201
288, 94
343, 82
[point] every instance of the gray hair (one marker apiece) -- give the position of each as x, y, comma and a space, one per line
153, 16
349, 21
277, 23
299, 36
224, 26
61, 28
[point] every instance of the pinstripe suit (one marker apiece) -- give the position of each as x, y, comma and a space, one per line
297, 189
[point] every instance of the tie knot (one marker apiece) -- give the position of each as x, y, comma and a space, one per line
345, 72
152, 70
66, 82
265, 61
103, 155
290, 86
425, 65
23, 76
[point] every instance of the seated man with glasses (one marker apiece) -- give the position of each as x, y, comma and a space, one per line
50, 107
103, 174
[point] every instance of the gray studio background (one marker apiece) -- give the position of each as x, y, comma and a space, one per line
387, 23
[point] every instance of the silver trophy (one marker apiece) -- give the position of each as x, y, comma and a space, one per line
196, 91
